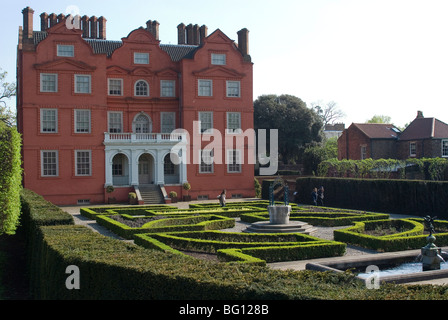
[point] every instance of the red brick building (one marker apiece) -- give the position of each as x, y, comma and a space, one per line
422, 138
95, 113
368, 140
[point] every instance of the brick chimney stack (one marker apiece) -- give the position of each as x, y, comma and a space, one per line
420, 114
203, 30
93, 27
181, 37
28, 14
243, 43
102, 26
153, 27
43, 21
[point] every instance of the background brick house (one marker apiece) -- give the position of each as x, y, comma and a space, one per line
368, 140
422, 138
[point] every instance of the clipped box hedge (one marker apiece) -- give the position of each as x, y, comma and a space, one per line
413, 238
249, 247
325, 219
185, 223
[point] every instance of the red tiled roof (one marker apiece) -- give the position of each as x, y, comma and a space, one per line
378, 130
425, 128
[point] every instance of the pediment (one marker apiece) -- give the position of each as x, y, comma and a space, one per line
219, 71
168, 72
141, 71
61, 27
218, 37
117, 70
141, 35
64, 64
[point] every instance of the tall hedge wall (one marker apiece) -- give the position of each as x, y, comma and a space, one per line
10, 178
414, 197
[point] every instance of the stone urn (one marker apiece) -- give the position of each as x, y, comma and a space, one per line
279, 214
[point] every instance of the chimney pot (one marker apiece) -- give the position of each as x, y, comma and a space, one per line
420, 114
102, 26
243, 43
181, 34
28, 23
43, 21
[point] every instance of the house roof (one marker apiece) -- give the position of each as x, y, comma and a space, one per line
378, 130
100, 46
425, 128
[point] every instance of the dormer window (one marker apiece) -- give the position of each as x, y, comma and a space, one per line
64, 50
141, 58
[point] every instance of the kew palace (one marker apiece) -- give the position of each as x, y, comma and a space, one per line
132, 113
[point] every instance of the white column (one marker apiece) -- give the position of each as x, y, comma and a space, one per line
160, 172
108, 168
133, 167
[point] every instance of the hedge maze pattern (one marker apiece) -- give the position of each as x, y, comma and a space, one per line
199, 229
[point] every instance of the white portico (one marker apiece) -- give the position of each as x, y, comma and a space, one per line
134, 159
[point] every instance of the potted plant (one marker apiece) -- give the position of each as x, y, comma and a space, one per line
173, 196
110, 189
186, 187
132, 198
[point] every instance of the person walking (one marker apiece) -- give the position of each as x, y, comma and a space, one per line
222, 198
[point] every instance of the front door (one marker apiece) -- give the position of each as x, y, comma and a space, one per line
144, 169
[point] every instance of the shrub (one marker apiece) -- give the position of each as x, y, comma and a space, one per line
10, 179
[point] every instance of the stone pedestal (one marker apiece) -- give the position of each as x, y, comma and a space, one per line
431, 255
279, 214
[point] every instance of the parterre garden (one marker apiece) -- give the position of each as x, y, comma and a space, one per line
158, 268
199, 229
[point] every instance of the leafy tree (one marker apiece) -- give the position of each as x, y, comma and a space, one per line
380, 119
7, 91
297, 124
317, 153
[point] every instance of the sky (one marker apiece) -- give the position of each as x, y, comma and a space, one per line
371, 57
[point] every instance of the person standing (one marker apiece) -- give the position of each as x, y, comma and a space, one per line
320, 196
222, 198
314, 196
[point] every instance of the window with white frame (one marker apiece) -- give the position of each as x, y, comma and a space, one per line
412, 149
233, 161
206, 165
82, 121
168, 121
64, 50
48, 120
83, 163
206, 121
49, 163
141, 57
444, 148
115, 87
141, 88
233, 89
115, 122
83, 83
363, 152
48, 82
167, 88
233, 122
205, 88
219, 59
